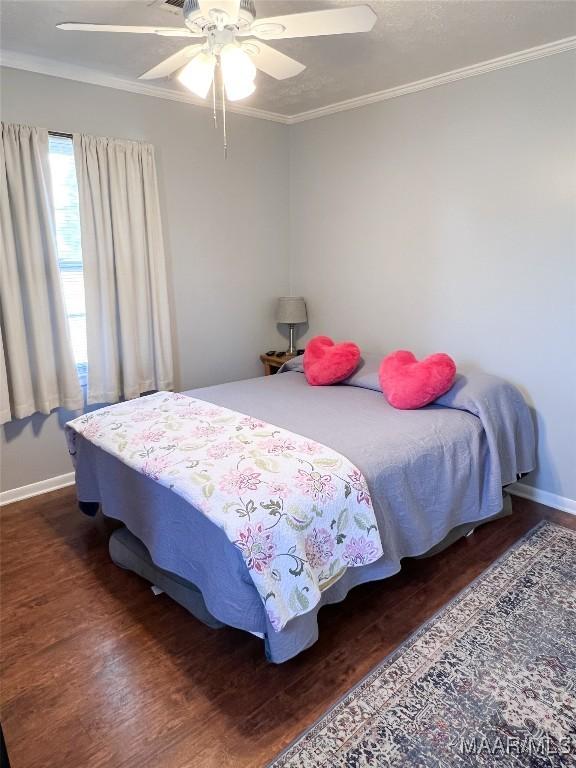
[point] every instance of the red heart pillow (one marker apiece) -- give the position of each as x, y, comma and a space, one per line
328, 363
410, 383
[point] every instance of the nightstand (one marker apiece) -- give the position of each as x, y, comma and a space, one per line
272, 363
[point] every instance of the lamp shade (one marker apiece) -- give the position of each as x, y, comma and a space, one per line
291, 309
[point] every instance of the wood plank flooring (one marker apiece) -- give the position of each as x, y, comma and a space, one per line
99, 673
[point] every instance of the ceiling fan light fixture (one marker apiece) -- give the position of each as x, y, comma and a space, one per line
239, 90
236, 63
197, 76
238, 72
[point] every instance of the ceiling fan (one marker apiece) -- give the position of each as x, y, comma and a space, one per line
225, 55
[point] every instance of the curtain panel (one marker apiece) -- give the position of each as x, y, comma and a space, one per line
5, 412
37, 369
127, 308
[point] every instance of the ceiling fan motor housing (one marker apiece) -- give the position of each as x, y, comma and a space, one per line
198, 20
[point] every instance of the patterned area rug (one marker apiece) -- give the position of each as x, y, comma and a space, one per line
489, 681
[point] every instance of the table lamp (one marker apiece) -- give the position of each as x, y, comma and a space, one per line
291, 310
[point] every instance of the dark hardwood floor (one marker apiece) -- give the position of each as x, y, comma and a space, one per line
96, 671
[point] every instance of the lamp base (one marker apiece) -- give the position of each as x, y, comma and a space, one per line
291, 348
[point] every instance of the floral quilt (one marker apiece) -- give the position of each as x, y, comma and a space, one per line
299, 513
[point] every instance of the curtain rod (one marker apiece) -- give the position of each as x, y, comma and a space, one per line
59, 133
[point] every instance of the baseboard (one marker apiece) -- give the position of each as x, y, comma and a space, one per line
35, 489
543, 497
61, 481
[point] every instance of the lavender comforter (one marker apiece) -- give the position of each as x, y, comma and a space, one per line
428, 471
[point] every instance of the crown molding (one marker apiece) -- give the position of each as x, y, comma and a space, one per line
43, 66
482, 68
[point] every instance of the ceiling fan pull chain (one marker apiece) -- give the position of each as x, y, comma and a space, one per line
214, 102
224, 116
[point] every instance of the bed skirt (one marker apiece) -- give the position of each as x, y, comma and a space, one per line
128, 552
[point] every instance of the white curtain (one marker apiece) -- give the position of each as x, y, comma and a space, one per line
37, 369
127, 309
5, 413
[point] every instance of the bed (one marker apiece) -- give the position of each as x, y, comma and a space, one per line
433, 474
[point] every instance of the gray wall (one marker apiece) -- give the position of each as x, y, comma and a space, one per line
445, 221
225, 225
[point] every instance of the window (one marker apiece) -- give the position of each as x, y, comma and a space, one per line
67, 214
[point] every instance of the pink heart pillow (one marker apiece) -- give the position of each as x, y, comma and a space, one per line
410, 383
328, 363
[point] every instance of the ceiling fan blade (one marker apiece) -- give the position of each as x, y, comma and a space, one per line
271, 61
229, 7
334, 21
172, 63
163, 31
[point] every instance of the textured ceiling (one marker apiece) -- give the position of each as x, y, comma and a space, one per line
412, 40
